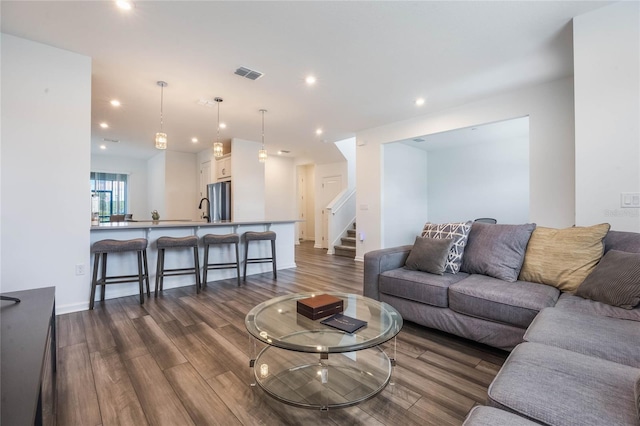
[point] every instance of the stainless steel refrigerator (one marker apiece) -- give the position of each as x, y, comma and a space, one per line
219, 195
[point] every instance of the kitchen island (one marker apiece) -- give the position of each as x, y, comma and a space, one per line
125, 263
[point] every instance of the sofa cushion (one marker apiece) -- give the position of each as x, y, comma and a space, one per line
419, 286
615, 281
606, 338
563, 257
496, 300
490, 416
560, 387
496, 250
429, 254
572, 303
459, 232
623, 241
638, 395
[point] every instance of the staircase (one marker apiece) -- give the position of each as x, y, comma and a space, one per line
347, 248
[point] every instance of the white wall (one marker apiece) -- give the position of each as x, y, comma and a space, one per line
136, 171
46, 134
156, 174
550, 110
607, 97
280, 188
247, 181
488, 179
347, 148
404, 179
181, 185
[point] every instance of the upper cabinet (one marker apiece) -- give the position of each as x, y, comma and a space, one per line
223, 167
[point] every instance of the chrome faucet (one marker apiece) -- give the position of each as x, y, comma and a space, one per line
206, 216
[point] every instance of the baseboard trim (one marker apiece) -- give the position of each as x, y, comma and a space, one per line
72, 307
359, 258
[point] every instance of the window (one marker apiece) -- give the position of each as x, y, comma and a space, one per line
109, 194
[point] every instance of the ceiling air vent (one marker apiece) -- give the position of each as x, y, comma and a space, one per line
110, 140
250, 74
418, 140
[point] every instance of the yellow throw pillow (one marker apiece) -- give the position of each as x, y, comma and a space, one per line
563, 257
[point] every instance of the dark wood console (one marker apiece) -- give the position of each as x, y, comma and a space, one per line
28, 357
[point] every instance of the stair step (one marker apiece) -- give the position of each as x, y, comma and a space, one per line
348, 241
345, 251
351, 233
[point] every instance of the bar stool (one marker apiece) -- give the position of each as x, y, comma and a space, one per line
260, 236
212, 239
164, 243
101, 248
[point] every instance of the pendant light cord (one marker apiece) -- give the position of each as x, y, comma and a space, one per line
262, 129
161, 102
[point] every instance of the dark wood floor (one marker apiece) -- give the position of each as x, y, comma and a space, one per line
183, 359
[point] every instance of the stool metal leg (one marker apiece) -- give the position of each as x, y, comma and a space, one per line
94, 281
196, 263
206, 265
246, 255
103, 288
238, 264
140, 278
273, 259
146, 270
159, 270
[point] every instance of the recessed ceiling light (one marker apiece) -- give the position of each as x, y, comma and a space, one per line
115, 102
310, 80
223, 126
103, 147
104, 125
194, 140
124, 4
419, 101
318, 131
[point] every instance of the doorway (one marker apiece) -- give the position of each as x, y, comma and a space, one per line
330, 188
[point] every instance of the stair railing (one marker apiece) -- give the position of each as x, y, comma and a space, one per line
341, 214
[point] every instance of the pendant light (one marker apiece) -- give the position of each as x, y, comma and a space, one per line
217, 145
262, 154
161, 138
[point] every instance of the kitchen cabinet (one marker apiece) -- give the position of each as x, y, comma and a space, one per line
223, 167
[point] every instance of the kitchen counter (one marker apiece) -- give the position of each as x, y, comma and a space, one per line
139, 224
125, 263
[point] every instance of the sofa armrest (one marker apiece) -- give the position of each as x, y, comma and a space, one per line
379, 261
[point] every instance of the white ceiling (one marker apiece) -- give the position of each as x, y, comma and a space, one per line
371, 59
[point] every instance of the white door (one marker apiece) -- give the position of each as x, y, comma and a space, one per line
331, 187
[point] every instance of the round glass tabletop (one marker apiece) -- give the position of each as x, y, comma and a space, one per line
277, 323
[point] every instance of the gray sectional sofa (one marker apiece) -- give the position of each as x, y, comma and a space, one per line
573, 361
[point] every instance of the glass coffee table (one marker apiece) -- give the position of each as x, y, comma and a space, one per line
308, 364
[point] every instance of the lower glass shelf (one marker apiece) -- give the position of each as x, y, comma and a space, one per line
306, 380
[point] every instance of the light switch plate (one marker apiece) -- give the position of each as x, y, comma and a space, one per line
630, 200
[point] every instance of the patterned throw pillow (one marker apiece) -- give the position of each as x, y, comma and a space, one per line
459, 232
